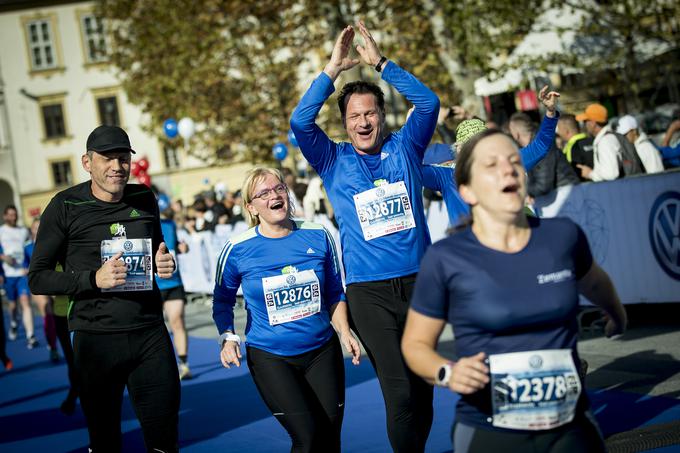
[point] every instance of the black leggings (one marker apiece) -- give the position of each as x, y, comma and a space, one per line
142, 360
582, 435
378, 315
306, 394
61, 325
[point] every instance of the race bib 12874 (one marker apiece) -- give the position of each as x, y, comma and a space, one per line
138, 260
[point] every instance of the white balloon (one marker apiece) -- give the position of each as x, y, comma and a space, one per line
186, 128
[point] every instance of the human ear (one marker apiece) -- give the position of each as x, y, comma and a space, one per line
467, 195
85, 162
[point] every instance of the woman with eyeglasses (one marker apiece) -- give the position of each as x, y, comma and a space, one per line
290, 277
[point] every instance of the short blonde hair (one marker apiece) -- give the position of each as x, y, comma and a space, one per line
252, 178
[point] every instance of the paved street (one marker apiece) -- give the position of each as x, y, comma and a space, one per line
644, 361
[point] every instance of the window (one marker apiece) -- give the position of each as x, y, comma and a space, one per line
171, 157
41, 44
94, 38
53, 119
108, 111
61, 173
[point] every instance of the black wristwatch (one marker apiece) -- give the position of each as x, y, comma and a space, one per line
378, 67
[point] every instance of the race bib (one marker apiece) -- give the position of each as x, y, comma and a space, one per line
137, 258
290, 297
384, 210
534, 390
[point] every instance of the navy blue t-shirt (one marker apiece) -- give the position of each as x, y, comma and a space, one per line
501, 302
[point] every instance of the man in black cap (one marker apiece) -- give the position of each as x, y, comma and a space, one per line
106, 235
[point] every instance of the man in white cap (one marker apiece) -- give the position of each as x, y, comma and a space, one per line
649, 155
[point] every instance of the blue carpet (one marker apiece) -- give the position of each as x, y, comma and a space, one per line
221, 409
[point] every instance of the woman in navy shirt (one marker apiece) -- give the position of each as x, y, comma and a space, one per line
290, 277
509, 285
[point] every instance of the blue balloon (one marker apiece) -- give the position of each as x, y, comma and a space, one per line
280, 151
291, 138
163, 202
170, 128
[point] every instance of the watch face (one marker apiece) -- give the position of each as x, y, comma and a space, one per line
441, 374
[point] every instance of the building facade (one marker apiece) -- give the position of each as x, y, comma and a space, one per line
56, 86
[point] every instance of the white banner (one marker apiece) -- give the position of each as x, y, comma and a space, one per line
633, 227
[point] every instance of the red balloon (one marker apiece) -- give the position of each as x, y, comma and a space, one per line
145, 179
143, 163
134, 168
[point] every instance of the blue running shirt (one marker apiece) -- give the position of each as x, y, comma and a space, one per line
169, 229
505, 302
290, 267
345, 174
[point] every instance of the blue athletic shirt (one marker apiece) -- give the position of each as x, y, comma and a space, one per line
441, 178
505, 302
170, 235
346, 173
28, 252
249, 257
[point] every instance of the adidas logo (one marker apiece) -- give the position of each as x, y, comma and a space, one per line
134, 213
310, 251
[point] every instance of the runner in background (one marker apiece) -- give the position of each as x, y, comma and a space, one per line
6, 361
172, 289
44, 303
61, 304
12, 240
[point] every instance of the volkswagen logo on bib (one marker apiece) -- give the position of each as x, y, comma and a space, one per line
535, 361
290, 279
127, 246
664, 232
380, 193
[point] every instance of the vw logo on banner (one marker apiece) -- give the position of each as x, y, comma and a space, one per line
664, 232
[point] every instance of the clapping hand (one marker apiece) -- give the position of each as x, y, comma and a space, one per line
340, 60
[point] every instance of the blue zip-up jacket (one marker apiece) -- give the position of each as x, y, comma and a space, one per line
345, 173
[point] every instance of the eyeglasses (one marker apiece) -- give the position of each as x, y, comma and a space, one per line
266, 194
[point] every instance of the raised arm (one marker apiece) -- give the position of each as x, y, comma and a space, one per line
315, 145
540, 145
421, 124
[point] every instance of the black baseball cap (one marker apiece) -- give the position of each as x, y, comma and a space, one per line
108, 138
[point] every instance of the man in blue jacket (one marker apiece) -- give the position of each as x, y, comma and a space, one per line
375, 184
